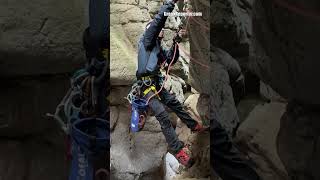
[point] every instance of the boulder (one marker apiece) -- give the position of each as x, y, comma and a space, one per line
176, 85
230, 27
269, 94
223, 104
298, 141
136, 155
197, 105
257, 137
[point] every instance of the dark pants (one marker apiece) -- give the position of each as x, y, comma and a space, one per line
157, 106
225, 158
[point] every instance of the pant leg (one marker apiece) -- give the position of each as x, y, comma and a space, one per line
167, 129
172, 102
225, 158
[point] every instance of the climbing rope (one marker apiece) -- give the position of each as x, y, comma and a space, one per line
193, 59
166, 75
202, 27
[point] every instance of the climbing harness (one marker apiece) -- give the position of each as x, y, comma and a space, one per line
137, 99
138, 103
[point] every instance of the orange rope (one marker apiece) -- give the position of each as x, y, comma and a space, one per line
186, 52
193, 59
167, 74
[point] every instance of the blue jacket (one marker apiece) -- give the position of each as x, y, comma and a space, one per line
149, 46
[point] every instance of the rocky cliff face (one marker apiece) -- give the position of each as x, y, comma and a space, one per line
286, 48
231, 33
41, 37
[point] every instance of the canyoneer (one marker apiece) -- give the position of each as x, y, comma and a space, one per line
151, 57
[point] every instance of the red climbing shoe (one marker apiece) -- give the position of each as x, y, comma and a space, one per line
199, 128
184, 158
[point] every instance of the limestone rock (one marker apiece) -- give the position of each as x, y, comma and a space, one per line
175, 85
123, 58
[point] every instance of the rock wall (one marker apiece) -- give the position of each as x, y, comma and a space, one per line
39, 37
285, 48
275, 41
284, 57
